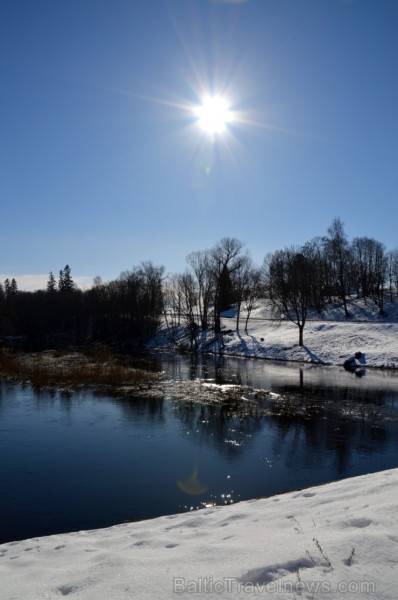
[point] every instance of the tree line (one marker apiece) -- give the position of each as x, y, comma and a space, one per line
120, 312
128, 310
313, 275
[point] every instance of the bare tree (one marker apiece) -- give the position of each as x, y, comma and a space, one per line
370, 265
172, 306
290, 285
138, 299
253, 291
201, 263
188, 299
339, 255
314, 250
380, 274
241, 283
227, 258
152, 288
392, 257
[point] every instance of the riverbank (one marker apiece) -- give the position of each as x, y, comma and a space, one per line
340, 537
329, 337
97, 369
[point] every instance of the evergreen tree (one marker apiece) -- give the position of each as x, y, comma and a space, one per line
51, 283
65, 282
10, 287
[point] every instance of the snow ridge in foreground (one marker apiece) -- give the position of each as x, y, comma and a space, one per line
333, 541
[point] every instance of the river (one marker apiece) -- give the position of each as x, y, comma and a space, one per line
82, 461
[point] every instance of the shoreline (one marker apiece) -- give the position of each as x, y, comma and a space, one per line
326, 342
339, 537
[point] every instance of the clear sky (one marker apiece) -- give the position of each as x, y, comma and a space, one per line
103, 163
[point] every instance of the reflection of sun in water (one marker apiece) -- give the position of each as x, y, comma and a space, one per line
213, 114
192, 485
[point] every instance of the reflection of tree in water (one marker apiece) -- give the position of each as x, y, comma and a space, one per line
218, 425
133, 408
314, 421
141, 408
203, 367
368, 404
314, 424
62, 398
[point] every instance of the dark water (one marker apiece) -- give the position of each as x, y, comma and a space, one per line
84, 461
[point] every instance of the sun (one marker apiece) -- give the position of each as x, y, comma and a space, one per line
213, 114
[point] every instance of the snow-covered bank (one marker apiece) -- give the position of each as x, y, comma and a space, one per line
340, 538
324, 342
329, 338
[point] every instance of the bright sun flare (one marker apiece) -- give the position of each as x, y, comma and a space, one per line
213, 114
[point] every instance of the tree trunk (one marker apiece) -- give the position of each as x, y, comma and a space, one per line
237, 317
301, 331
344, 298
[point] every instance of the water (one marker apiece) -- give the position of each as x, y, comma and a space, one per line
85, 461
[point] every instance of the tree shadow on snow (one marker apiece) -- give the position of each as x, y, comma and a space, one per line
313, 357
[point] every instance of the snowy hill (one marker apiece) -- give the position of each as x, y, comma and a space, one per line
329, 337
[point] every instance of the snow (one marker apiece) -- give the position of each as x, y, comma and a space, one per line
324, 342
340, 538
329, 337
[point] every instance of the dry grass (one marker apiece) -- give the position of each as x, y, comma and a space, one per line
98, 368
102, 371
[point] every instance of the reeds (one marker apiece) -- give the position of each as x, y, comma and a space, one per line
98, 368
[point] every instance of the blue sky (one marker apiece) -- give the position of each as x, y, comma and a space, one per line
103, 164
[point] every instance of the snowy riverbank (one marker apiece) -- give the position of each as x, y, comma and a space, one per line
329, 337
340, 538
